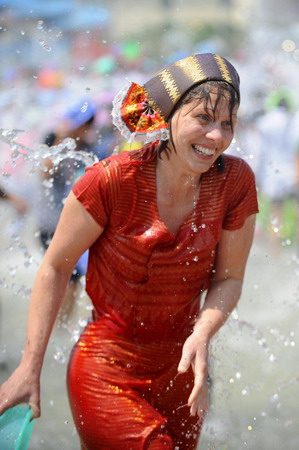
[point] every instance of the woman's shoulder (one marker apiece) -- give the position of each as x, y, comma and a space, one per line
132, 158
237, 166
120, 167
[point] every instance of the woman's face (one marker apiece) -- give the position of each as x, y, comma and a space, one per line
202, 132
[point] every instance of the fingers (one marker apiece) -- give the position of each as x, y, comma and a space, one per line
35, 411
13, 392
196, 354
8, 403
198, 399
6, 400
186, 359
199, 407
4, 405
34, 404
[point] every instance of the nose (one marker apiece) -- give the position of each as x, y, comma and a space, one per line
214, 133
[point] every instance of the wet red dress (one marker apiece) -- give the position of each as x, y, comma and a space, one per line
145, 285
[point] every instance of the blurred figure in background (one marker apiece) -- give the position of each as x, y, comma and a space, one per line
21, 207
108, 137
276, 171
58, 177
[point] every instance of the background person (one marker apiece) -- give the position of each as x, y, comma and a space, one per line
163, 224
57, 179
21, 207
276, 169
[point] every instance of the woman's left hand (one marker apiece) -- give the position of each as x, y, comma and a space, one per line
195, 353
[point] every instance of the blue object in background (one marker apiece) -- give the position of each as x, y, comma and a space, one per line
81, 265
16, 428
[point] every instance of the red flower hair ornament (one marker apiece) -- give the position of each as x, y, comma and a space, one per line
135, 118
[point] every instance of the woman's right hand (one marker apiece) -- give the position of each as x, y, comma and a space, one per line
21, 387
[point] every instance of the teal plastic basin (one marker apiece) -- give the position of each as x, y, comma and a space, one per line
16, 428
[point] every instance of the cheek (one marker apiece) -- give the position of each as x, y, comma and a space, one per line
227, 140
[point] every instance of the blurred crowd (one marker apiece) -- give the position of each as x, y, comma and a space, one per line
56, 93
269, 140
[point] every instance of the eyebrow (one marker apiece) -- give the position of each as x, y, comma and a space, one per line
210, 110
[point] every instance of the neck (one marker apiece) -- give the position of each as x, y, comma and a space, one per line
173, 180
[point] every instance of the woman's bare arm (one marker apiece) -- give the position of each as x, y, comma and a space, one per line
221, 299
75, 233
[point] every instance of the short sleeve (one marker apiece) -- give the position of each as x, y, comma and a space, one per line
243, 199
97, 190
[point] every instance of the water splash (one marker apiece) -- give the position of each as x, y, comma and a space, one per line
37, 156
255, 332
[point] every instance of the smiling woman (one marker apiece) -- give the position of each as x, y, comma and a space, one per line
164, 224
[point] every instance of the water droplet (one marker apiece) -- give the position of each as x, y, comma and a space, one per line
40, 24
82, 322
59, 356
84, 107
44, 45
12, 271
288, 45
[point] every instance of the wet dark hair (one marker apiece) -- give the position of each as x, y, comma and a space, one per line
202, 92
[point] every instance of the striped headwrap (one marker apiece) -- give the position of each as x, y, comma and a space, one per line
141, 112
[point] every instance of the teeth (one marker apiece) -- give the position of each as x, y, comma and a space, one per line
203, 150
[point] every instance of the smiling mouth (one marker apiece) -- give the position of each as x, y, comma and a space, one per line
203, 150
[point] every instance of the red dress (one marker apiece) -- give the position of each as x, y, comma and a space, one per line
145, 284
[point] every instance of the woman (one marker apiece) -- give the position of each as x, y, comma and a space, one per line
163, 224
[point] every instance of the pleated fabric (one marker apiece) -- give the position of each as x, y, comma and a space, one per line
145, 284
